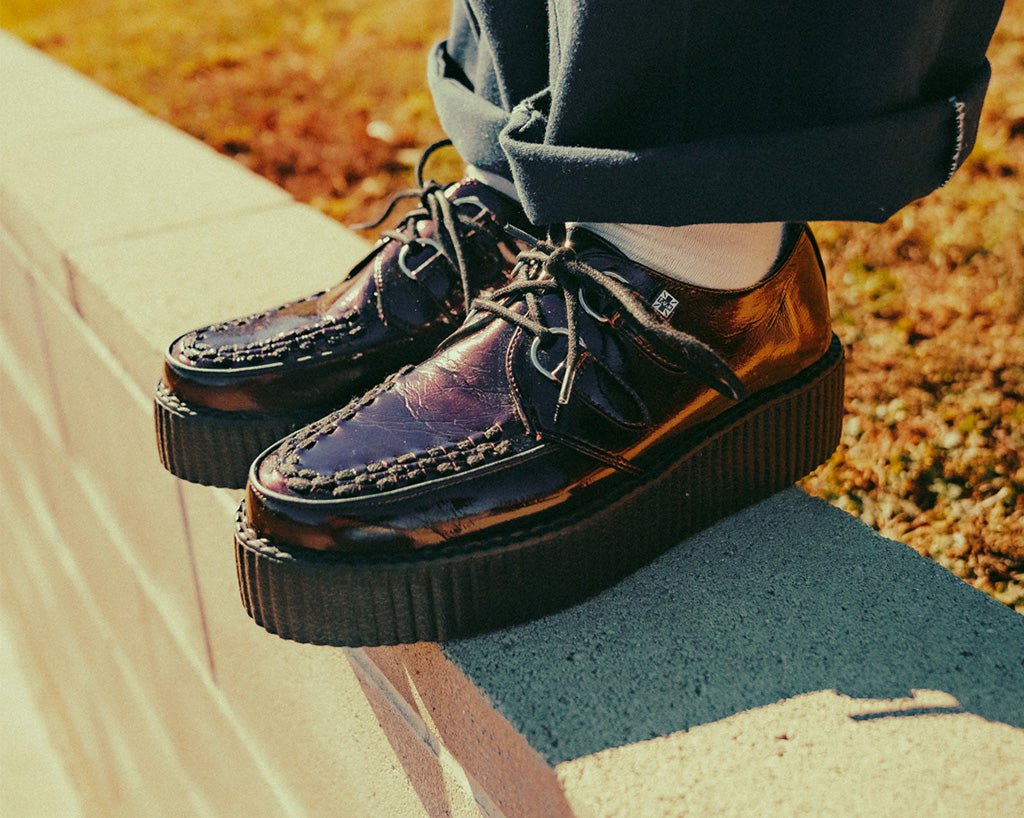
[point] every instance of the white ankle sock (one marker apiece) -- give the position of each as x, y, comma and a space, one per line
499, 183
715, 256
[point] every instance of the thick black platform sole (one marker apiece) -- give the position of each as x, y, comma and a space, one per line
215, 448
751, 451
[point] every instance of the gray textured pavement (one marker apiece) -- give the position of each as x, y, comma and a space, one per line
788, 597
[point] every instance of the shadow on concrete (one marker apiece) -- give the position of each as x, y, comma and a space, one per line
788, 597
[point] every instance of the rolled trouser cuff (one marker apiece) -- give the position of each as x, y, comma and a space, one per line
472, 122
864, 170
861, 171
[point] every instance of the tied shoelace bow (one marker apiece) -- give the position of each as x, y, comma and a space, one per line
566, 273
450, 224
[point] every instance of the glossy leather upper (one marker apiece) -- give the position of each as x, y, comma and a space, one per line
473, 440
393, 308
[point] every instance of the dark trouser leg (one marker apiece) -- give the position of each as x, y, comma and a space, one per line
675, 112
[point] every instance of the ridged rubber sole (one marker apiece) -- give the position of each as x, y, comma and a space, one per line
211, 447
751, 451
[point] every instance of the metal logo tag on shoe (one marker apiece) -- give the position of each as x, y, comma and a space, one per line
665, 304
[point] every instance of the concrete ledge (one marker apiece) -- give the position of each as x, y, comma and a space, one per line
787, 653
787, 660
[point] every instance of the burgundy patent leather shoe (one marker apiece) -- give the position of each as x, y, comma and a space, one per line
584, 419
230, 390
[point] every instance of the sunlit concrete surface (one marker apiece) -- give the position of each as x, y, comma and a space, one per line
819, 754
787, 660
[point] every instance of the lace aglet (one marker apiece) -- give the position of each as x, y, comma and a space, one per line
726, 382
522, 235
735, 388
565, 390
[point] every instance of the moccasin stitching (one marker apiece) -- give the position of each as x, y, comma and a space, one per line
330, 330
402, 470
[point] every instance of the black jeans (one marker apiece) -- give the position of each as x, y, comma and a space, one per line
697, 111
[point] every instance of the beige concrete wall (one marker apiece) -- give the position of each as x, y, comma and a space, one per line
118, 233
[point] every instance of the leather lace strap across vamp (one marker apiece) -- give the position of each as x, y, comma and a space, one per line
545, 269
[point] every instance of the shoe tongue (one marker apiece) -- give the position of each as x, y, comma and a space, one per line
404, 297
467, 196
604, 256
505, 210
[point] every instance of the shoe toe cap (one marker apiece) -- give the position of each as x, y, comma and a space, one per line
398, 504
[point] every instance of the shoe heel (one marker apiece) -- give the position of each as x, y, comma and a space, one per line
765, 450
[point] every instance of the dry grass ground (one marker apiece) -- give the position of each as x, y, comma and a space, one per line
328, 100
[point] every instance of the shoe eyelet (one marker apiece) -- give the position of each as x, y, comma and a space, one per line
604, 319
473, 200
404, 253
550, 374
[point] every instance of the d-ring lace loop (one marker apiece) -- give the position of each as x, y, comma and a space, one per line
550, 374
545, 269
601, 319
403, 256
